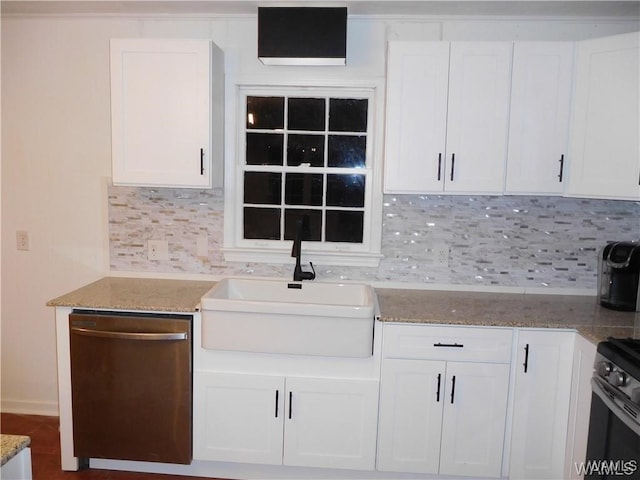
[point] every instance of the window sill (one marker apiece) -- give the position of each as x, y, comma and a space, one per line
349, 259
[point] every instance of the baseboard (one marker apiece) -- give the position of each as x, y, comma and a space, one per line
29, 407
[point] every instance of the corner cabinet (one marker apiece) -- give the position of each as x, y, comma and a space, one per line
443, 400
295, 421
605, 145
166, 112
537, 158
542, 393
447, 116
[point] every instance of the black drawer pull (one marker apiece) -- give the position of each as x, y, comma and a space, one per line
454, 345
560, 175
290, 403
277, 394
453, 163
438, 391
526, 358
453, 388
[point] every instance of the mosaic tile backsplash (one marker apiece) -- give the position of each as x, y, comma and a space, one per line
504, 241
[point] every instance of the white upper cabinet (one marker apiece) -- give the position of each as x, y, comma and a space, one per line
161, 112
447, 116
605, 145
417, 86
539, 121
478, 116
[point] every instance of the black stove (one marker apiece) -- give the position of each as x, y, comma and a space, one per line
613, 447
617, 367
623, 352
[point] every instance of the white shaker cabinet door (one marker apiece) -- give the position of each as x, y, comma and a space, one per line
411, 403
447, 116
474, 420
478, 115
238, 418
417, 84
541, 404
539, 121
605, 144
331, 423
160, 112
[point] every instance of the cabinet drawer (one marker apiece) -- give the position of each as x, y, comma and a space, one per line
474, 344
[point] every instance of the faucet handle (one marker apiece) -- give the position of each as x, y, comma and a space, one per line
313, 271
302, 275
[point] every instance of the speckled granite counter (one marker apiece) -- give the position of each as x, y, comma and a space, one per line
115, 293
582, 313
11, 445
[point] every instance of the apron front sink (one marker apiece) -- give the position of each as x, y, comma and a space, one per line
276, 316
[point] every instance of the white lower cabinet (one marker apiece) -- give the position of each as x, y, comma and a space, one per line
312, 422
236, 418
541, 404
411, 406
473, 424
443, 416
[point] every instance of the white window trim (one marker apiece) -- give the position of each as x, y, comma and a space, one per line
237, 249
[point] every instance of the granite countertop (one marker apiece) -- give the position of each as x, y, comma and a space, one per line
579, 312
11, 445
115, 293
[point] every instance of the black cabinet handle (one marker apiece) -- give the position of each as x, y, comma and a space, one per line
561, 168
202, 161
439, 165
454, 345
438, 391
453, 163
290, 403
277, 394
453, 388
526, 358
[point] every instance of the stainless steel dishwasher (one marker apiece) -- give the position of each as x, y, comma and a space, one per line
131, 381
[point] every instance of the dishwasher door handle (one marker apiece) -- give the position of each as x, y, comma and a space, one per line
87, 332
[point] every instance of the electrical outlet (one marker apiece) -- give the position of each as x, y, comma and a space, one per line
157, 250
440, 255
22, 240
202, 246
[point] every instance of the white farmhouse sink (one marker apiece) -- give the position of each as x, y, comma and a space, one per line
276, 316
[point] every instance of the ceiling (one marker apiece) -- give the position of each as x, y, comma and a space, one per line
590, 8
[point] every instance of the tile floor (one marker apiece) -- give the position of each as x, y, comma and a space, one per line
45, 451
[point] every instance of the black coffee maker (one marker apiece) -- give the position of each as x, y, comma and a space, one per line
619, 276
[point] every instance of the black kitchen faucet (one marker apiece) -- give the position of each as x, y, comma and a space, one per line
302, 228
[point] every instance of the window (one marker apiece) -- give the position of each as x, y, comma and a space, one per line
305, 153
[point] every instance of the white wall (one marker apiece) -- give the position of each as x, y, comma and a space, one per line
56, 150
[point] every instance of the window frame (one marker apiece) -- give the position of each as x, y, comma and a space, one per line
237, 248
